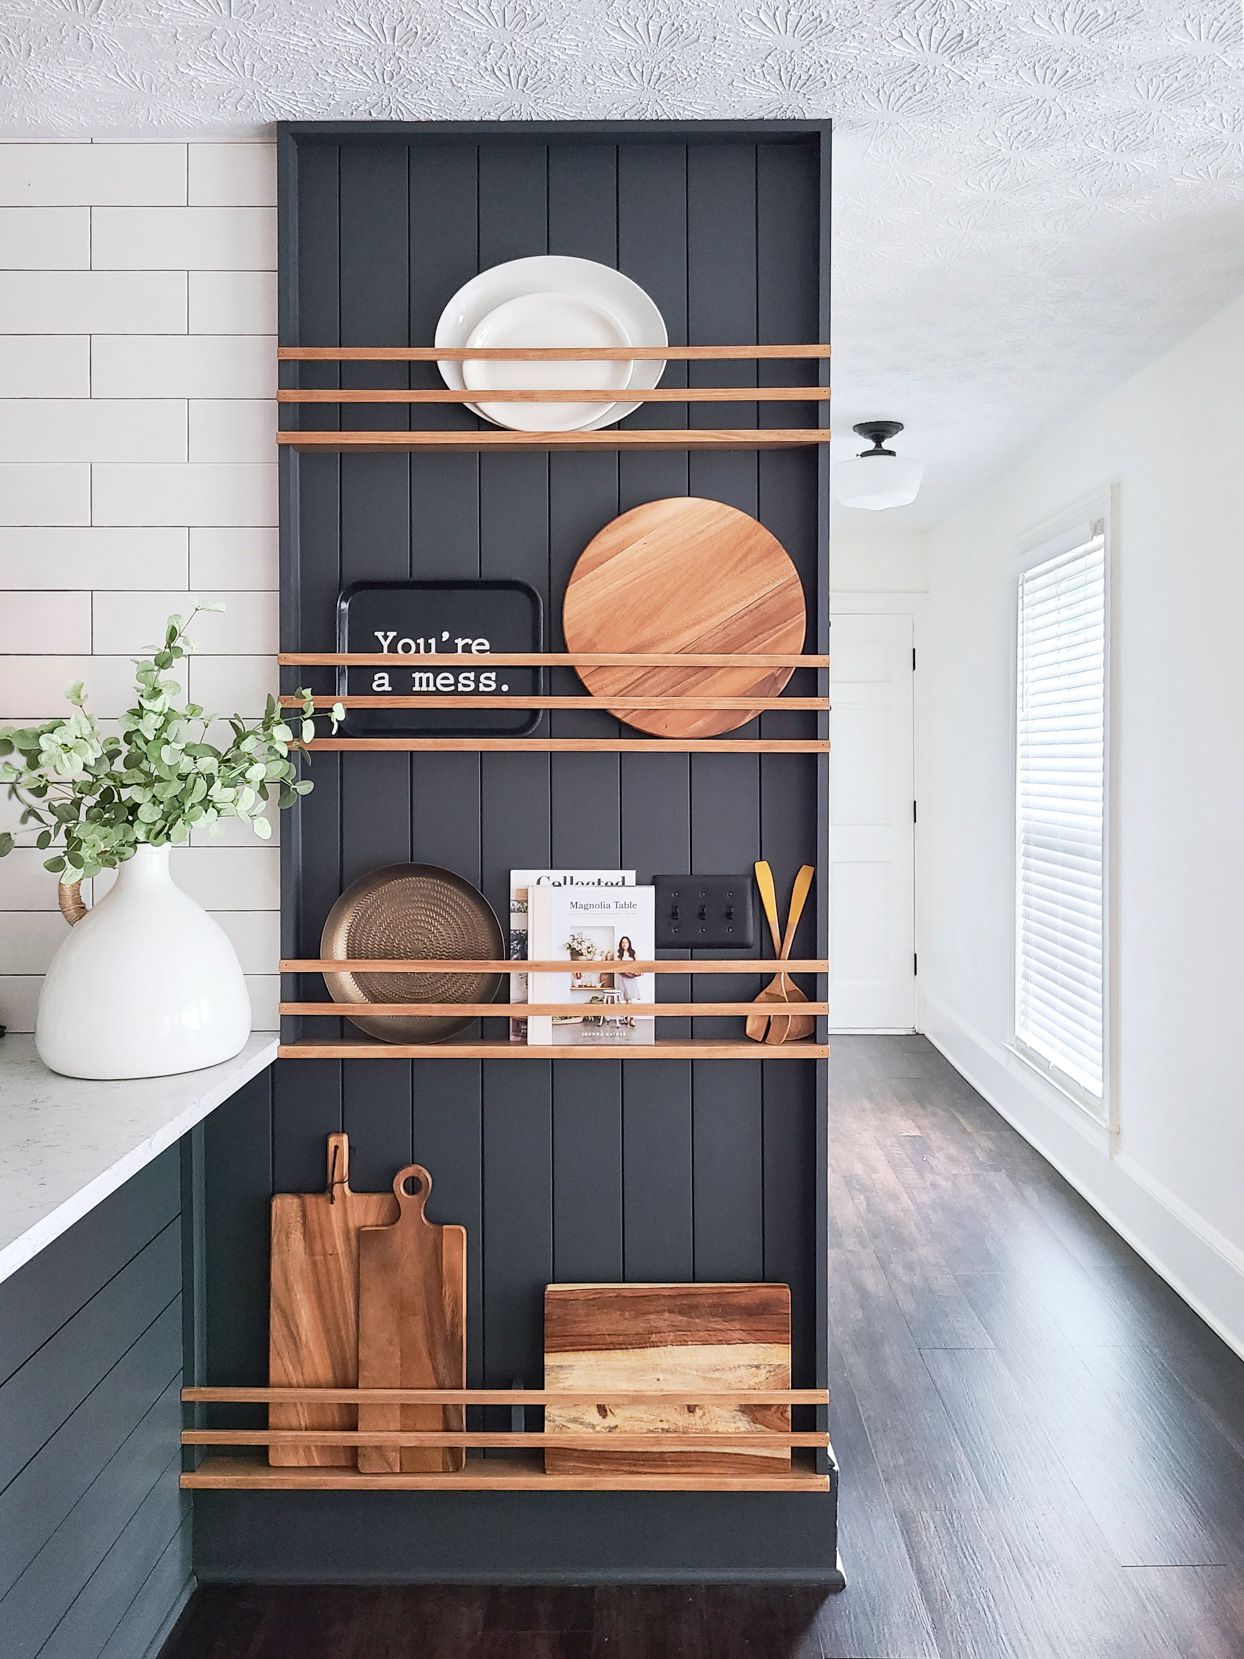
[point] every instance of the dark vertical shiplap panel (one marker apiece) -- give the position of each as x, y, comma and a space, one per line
311, 566
656, 795
725, 789
820, 1161
306, 1109
583, 497
238, 1182
788, 289
375, 546
517, 1097
445, 541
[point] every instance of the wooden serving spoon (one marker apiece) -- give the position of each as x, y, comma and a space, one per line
798, 1025
758, 1024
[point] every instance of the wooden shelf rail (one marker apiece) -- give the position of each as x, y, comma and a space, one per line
611, 437
664, 1048
512, 394
216, 1394
552, 659
513, 1438
551, 354
754, 705
517, 1472
463, 965
566, 746
506, 1010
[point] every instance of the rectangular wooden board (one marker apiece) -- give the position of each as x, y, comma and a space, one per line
412, 1328
714, 1337
313, 1302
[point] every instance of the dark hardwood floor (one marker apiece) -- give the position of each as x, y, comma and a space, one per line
1042, 1447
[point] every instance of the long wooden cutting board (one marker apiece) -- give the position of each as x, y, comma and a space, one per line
313, 1301
715, 1337
412, 1327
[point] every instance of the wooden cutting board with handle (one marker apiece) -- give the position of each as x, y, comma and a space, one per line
715, 1337
313, 1301
412, 1327
684, 574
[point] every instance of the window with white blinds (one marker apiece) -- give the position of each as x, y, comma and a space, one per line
1060, 807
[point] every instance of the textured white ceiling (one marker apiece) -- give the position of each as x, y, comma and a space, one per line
1033, 197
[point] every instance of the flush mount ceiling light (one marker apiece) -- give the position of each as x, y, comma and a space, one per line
877, 477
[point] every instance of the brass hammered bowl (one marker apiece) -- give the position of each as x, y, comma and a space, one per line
421, 913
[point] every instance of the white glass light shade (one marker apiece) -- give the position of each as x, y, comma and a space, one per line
877, 481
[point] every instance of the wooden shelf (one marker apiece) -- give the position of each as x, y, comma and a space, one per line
462, 965
550, 354
569, 745
554, 659
520, 1466
752, 705
514, 1472
669, 1048
514, 394
464, 443
264, 1394
506, 1010
512, 1439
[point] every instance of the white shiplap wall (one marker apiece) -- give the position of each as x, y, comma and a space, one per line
137, 334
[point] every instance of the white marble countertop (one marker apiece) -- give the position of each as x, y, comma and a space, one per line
66, 1143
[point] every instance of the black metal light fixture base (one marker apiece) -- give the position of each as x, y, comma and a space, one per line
876, 433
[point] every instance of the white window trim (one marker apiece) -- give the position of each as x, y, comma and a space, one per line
1057, 534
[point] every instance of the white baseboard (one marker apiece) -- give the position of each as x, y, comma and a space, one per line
1194, 1258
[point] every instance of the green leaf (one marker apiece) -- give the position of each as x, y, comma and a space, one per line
7, 842
55, 865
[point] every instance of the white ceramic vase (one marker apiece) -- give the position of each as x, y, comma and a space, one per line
145, 985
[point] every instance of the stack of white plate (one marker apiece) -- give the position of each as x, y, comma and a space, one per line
551, 300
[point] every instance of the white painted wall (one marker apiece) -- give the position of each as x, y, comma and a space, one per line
1171, 1179
868, 557
137, 374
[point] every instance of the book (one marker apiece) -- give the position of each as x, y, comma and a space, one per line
521, 882
596, 931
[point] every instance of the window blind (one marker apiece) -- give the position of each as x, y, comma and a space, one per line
1060, 791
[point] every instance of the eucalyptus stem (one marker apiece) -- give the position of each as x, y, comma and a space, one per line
95, 799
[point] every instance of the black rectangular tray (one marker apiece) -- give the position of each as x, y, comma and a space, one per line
410, 619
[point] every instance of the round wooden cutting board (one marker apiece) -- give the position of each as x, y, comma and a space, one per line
684, 574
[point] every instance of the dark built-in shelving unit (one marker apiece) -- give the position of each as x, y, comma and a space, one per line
707, 1162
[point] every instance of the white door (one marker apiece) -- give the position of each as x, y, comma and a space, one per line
872, 923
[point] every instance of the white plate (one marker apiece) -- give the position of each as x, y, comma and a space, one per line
547, 320
557, 273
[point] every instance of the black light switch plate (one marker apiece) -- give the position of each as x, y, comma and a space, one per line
704, 912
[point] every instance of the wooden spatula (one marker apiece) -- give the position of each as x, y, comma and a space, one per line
782, 1030
758, 1024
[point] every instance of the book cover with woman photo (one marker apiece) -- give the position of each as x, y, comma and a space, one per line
599, 934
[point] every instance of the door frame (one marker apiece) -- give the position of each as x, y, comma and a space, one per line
912, 603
